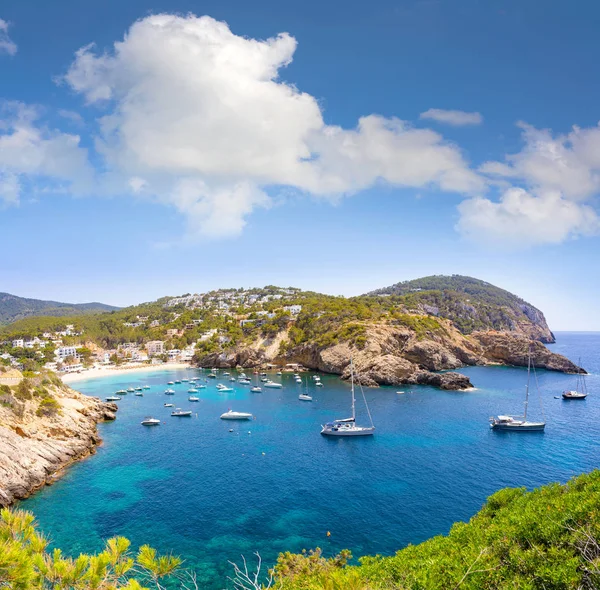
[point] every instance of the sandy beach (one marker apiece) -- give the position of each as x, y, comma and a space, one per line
112, 371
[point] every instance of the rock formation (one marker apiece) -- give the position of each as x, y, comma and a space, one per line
42, 430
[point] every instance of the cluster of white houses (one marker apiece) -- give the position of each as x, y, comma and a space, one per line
224, 299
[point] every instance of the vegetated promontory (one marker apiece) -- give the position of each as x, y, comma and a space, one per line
418, 332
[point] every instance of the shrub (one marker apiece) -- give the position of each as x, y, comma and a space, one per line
48, 407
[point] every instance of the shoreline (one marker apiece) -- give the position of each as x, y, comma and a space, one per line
110, 372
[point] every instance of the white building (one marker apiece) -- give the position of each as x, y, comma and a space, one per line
293, 309
155, 347
18, 343
65, 351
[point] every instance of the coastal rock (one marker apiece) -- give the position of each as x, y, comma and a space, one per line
513, 349
34, 448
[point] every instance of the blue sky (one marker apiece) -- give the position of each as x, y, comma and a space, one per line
215, 152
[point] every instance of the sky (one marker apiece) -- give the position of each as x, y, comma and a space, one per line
155, 147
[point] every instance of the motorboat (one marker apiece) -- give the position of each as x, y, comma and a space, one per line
348, 426
171, 383
178, 412
146, 387
169, 405
139, 388
177, 381
130, 390
169, 392
304, 397
121, 392
256, 389
318, 384
139, 394
149, 421
113, 398
231, 415
244, 381
212, 375
193, 399
192, 390
273, 385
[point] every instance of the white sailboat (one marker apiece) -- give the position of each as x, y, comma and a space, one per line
520, 423
348, 426
580, 391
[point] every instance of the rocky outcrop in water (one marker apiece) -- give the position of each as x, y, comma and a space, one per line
39, 438
397, 355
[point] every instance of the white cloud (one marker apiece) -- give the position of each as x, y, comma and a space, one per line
6, 43
562, 175
200, 117
523, 219
29, 151
455, 118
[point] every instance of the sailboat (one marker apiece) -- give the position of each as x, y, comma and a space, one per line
348, 426
580, 391
304, 397
520, 423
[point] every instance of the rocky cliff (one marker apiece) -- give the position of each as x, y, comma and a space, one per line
394, 355
44, 426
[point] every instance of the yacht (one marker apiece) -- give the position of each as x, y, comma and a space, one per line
232, 379
130, 390
169, 405
348, 426
149, 421
212, 375
245, 381
146, 387
231, 415
304, 397
201, 386
177, 381
184, 380
192, 390
139, 388
520, 423
318, 384
113, 398
256, 389
273, 385
171, 383
193, 399
580, 391
224, 389
181, 413
169, 392
121, 392
139, 394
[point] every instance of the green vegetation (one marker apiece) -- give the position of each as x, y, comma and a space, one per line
13, 308
545, 539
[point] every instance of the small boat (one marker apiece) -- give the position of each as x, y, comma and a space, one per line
318, 384
169, 405
348, 426
231, 415
146, 387
201, 386
139, 394
121, 392
193, 399
149, 421
192, 390
264, 379
273, 385
212, 375
113, 398
171, 383
520, 423
263, 374
224, 389
169, 392
130, 390
139, 388
304, 397
181, 413
226, 374
255, 389
279, 373
177, 381
184, 380
245, 381
232, 379
580, 391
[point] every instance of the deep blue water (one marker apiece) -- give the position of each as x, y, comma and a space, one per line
192, 487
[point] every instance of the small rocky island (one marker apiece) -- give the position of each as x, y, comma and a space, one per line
44, 427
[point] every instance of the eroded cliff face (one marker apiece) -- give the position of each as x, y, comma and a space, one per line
38, 440
396, 355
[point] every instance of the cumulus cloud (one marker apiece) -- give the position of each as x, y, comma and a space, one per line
562, 177
200, 119
455, 118
520, 218
6, 44
29, 151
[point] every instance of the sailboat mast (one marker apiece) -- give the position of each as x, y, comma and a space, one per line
528, 380
352, 381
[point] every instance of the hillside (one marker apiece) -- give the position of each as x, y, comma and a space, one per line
471, 304
394, 339
13, 308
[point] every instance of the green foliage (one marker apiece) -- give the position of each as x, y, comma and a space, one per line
547, 538
48, 407
24, 390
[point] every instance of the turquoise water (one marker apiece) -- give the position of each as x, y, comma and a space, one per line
192, 487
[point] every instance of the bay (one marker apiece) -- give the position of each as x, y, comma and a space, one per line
191, 487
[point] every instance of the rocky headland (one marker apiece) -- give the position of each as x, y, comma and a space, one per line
386, 354
44, 427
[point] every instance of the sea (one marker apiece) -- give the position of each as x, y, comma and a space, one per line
211, 490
